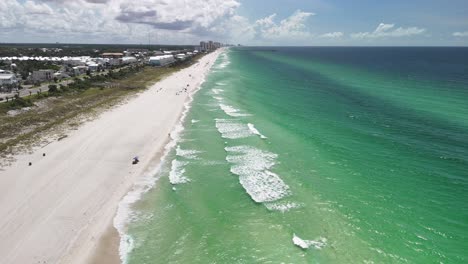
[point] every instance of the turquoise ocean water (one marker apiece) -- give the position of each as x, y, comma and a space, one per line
359, 155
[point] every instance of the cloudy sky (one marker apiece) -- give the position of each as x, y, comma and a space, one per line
249, 22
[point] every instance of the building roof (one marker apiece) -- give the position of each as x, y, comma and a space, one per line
161, 57
6, 76
112, 54
46, 70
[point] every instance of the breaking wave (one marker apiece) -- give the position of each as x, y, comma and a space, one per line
187, 153
255, 131
176, 175
231, 111
252, 166
305, 244
232, 129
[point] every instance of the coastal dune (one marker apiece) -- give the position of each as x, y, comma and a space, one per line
59, 209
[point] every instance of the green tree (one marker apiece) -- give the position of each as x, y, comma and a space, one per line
53, 89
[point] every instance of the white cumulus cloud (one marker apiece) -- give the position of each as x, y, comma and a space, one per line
124, 20
460, 34
291, 28
332, 35
388, 30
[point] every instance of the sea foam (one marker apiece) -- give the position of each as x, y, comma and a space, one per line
224, 62
231, 111
255, 131
187, 153
252, 166
232, 129
217, 91
176, 175
305, 244
282, 206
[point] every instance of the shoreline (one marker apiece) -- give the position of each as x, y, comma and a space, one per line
62, 208
121, 219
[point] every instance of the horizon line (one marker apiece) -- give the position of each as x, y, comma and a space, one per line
236, 45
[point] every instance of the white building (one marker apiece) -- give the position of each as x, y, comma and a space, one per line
61, 75
129, 60
162, 60
92, 66
181, 56
8, 78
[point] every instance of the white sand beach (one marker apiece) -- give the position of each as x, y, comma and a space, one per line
59, 209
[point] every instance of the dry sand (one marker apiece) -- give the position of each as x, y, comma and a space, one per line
60, 209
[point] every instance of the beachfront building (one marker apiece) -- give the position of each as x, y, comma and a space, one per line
92, 66
42, 75
113, 55
114, 59
209, 46
181, 57
79, 70
204, 46
7, 78
129, 60
161, 60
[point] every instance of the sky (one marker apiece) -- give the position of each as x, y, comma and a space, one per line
246, 22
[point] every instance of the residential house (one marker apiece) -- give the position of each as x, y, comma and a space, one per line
42, 75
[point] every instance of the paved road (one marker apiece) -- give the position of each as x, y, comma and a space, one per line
32, 90
28, 90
